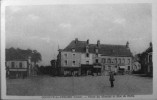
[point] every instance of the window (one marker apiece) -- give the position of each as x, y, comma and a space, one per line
96, 60
104, 60
20, 64
73, 55
123, 60
96, 50
149, 58
119, 61
112, 61
12, 64
87, 62
109, 60
87, 54
128, 61
128, 67
115, 60
73, 63
87, 49
109, 68
65, 55
65, 62
96, 55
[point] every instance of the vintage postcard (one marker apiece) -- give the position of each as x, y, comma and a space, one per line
78, 49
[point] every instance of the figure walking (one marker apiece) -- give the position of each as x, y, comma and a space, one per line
112, 79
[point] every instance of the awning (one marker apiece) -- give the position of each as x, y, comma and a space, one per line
122, 67
86, 65
96, 66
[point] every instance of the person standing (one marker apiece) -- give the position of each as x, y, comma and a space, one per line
112, 79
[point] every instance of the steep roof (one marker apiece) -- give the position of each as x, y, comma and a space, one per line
104, 49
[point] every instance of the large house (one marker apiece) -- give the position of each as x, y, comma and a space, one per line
83, 58
146, 61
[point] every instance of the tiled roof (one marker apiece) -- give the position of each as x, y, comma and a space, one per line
104, 49
13, 55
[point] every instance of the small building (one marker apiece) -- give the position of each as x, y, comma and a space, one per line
136, 66
54, 63
17, 68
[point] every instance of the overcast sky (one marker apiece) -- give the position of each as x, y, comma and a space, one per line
45, 27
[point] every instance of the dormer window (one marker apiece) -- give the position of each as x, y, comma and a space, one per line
87, 54
73, 50
87, 48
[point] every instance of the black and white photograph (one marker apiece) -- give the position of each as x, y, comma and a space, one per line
74, 50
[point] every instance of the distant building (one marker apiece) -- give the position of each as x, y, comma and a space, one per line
20, 68
83, 58
17, 68
146, 61
54, 63
136, 66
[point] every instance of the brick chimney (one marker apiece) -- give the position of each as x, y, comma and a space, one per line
76, 40
98, 43
87, 41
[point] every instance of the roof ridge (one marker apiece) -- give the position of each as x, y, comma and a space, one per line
106, 49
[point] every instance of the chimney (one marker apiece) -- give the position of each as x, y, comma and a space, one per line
150, 44
87, 41
98, 43
87, 49
127, 44
29, 59
76, 40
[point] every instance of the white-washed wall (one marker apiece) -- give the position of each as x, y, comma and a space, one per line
16, 64
84, 58
121, 61
70, 58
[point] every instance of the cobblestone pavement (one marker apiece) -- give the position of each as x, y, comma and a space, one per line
85, 85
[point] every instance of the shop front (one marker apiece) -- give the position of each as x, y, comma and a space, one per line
97, 69
86, 69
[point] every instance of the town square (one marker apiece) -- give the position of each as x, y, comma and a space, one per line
86, 85
79, 50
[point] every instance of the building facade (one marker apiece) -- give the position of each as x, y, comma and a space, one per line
17, 68
70, 63
147, 61
20, 68
83, 58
